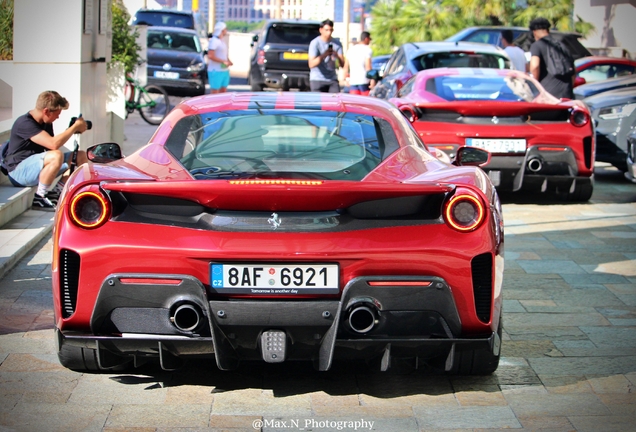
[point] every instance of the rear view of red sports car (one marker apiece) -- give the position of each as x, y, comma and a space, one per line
279, 227
538, 143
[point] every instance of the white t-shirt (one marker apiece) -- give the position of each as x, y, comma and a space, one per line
517, 57
357, 56
220, 51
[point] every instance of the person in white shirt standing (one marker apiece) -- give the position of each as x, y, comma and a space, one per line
357, 63
218, 61
516, 54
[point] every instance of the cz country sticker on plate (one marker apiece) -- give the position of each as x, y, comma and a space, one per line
274, 279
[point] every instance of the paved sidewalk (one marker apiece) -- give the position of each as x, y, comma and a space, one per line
568, 355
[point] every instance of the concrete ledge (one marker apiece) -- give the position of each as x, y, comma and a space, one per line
14, 201
20, 235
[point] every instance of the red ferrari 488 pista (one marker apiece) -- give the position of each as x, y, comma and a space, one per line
538, 143
279, 227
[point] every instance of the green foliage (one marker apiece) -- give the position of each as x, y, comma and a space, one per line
395, 22
6, 29
125, 47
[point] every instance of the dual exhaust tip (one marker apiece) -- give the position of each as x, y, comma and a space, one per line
535, 164
363, 315
187, 317
362, 318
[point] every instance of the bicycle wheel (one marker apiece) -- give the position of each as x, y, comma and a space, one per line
154, 104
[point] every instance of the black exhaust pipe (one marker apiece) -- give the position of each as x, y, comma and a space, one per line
362, 318
535, 165
186, 317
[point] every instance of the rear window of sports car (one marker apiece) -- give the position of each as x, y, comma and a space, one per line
496, 88
460, 59
262, 143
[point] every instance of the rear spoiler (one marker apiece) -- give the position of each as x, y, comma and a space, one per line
490, 108
279, 195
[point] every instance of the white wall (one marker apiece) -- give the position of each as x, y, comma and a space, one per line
614, 21
54, 50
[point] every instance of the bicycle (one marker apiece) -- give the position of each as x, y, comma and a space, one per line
151, 101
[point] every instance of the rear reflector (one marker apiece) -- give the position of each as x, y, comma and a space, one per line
149, 281
552, 148
399, 283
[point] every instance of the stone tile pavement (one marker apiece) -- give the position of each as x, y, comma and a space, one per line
568, 360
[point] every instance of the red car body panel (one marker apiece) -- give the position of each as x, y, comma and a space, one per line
548, 137
586, 63
150, 252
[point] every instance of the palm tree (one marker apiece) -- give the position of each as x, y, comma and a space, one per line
558, 12
492, 12
385, 26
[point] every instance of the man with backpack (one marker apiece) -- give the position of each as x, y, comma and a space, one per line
551, 63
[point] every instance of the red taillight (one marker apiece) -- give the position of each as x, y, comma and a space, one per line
260, 58
464, 212
89, 209
579, 118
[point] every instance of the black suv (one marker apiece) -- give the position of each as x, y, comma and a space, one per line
280, 54
522, 38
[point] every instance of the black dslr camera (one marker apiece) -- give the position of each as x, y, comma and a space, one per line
89, 124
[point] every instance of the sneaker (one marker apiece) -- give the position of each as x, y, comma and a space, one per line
55, 193
42, 203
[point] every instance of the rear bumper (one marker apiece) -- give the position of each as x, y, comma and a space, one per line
280, 79
373, 316
189, 84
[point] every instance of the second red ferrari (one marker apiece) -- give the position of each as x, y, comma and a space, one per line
538, 142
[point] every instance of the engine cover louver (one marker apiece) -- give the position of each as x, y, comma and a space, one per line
69, 279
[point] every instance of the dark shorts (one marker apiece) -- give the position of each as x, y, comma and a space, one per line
359, 89
324, 86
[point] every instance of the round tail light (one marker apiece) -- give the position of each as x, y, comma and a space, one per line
89, 209
464, 212
579, 118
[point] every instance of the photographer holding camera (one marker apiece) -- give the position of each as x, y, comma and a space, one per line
35, 155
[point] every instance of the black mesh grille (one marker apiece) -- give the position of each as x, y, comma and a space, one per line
481, 267
69, 278
587, 151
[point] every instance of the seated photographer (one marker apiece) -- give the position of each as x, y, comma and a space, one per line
35, 155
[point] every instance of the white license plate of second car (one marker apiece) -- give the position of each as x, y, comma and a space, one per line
498, 145
274, 279
168, 75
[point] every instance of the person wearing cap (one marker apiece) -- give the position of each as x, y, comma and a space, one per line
218, 60
557, 86
357, 63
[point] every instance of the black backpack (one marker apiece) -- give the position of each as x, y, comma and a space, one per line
558, 60
3, 154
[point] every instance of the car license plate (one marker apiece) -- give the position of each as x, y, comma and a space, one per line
498, 145
274, 279
295, 56
168, 75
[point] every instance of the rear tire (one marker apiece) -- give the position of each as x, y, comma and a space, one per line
154, 115
84, 360
255, 87
478, 361
582, 192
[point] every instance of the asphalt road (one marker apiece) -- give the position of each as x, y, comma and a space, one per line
568, 354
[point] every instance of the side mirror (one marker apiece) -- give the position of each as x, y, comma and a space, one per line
409, 112
471, 156
374, 75
579, 81
104, 153
255, 38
